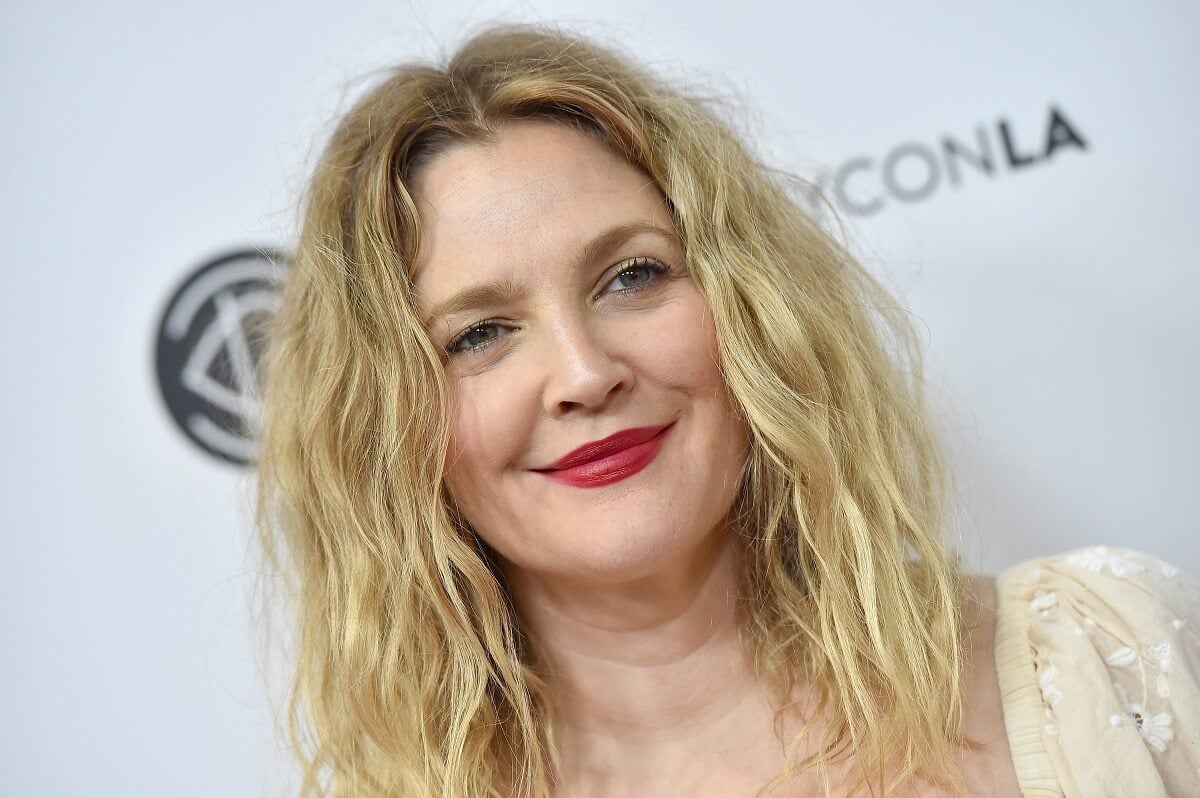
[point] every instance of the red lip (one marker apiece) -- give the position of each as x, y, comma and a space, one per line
598, 450
609, 460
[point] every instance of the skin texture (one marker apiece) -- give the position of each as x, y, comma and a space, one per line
573, 358
628, 590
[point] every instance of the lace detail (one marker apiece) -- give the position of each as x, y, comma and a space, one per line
1106, 636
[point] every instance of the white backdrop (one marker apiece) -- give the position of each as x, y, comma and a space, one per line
141, 140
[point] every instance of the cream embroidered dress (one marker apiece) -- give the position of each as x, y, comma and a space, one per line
1098, 658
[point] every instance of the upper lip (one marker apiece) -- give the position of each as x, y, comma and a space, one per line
605, 447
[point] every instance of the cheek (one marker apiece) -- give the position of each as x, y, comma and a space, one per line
470, 450
691, 366
685, 350
486, 436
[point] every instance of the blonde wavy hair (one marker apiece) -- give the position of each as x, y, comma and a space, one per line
412, 676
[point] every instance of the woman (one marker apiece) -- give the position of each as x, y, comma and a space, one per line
600, 471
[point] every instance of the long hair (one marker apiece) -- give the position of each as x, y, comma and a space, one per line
412, 676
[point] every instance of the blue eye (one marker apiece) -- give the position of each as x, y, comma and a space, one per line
475, 337
638, 273
635, 275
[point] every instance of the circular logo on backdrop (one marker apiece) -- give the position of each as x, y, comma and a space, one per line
210, 340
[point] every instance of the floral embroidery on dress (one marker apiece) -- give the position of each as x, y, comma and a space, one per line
1050, 692
1157, 730
1123, 657
1097, 558
1111, 650
1161, 656
1043, 602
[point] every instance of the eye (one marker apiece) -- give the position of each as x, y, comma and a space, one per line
474, 338
636, 274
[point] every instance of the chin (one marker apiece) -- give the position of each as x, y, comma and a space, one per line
641, 551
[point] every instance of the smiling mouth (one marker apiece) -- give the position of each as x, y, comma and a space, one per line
610, 460
605, 447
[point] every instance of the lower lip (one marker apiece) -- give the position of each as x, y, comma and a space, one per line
613, 468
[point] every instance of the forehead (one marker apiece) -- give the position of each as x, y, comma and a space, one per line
533, 196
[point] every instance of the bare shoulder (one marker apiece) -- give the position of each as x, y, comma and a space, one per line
987, 767
981, 687
981, 600
990, 768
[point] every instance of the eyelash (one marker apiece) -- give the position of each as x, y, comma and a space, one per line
656, 268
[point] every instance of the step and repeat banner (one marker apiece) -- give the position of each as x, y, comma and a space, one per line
1024, 177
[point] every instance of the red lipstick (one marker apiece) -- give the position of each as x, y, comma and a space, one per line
608, 460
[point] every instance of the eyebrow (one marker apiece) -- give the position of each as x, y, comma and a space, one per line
507, 289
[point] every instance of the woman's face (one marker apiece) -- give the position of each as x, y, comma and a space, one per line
550, 272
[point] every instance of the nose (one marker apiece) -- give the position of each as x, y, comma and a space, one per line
584, 369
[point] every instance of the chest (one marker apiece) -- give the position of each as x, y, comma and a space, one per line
987, 773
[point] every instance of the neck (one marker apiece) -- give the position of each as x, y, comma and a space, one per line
644, 669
